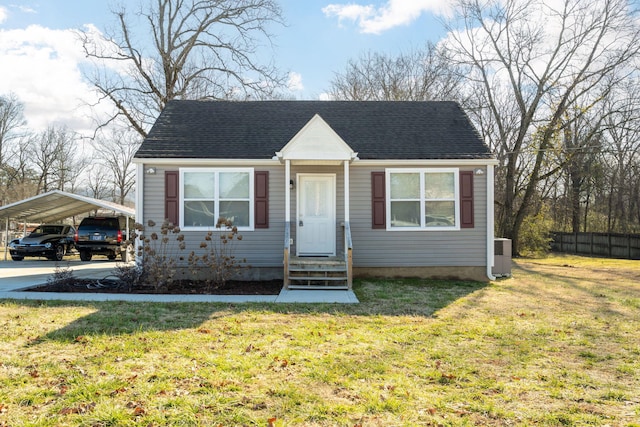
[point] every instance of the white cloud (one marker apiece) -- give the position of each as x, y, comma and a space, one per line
394, 13
26, 9
351, 12
43, 69
3, 14
295, 82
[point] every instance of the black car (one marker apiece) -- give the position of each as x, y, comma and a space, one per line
52, 241
105, 235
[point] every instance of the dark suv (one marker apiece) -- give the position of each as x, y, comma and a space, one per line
104, 235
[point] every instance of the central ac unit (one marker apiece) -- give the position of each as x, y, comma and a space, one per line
502, 258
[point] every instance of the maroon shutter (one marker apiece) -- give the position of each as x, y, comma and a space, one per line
378, 201
261, 199
171, 196
466, 199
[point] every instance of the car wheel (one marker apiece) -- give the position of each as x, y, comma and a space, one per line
58, 253
111, 256
17, 258
85, 256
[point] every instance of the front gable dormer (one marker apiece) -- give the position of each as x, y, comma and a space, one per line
317, 142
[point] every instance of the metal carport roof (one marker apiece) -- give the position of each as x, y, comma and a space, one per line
57, 205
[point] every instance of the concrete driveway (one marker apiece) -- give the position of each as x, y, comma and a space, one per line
16, 275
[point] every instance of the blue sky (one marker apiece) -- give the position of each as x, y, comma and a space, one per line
40, 60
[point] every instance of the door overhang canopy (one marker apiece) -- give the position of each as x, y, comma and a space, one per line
316, 143
57, 205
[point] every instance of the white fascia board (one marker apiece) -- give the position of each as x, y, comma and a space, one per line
426, 162
177, 162
275, 161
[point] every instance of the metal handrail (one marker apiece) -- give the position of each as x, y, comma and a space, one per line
348, 244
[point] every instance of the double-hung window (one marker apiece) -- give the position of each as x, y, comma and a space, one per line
209, 194
422, 199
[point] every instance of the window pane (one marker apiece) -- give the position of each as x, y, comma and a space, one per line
405, 185
440, 214
405, 214
314, 199
439, 186
234, 185
199, 214
199, 185
237, 212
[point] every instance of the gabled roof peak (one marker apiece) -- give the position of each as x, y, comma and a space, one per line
316, 141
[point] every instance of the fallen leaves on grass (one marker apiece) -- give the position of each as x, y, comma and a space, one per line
80, 409
82, 339
138, 410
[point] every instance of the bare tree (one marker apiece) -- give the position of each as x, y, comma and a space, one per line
578, 154
115, 152
54, 159
622, 159
200, 49
11, 118
415, 76
69, 163
529, 61
97, 183
20, 178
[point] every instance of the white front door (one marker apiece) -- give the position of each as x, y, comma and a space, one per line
316, 215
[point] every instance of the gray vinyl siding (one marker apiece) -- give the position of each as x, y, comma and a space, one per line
261, 247
371, 248
382, 248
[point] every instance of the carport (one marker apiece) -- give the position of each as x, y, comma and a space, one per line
55, 206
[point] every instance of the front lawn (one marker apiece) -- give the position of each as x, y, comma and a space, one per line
558, 344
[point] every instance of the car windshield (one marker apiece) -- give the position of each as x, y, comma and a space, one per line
48, 229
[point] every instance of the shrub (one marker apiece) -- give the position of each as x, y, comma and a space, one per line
159, 255
61, 276
218, 262
129, 275
535, 233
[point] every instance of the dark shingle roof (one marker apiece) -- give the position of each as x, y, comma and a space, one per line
257, 129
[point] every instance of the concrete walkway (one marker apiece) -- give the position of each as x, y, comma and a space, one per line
16, 276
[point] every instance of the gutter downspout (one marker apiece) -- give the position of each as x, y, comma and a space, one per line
490, 221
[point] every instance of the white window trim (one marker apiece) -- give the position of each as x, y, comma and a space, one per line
422, 172
216, 171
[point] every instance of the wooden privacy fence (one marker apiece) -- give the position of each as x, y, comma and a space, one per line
612, 245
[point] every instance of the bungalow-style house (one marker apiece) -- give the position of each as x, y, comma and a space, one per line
324, 191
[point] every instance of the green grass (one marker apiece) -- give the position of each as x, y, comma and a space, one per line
557, 344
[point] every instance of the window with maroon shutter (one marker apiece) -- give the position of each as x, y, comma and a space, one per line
423, 199
378, 201
171, 196
261, 199
466, 199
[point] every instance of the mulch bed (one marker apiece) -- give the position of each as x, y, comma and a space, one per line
271, 287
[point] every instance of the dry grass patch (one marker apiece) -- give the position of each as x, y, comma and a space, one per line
558, 344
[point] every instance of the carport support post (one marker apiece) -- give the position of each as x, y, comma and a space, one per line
6, 238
